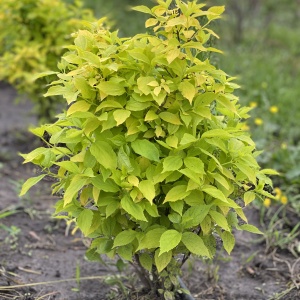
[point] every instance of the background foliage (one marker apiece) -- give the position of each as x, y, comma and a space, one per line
32, 39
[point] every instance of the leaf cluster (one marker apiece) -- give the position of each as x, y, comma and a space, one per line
150, 156
32, 36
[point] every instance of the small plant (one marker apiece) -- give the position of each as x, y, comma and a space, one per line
32, 36
150, 157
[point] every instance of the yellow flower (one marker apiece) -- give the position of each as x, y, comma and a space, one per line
264, 85
267, 202
283, 199
258, 121
278, 192
274, 109
253, 104
284, 146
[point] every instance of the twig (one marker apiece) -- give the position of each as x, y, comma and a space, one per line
11, 287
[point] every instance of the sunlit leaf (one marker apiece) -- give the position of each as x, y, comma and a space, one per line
169, 240
228, 241
172, 163
195, 244
161, 261
133, 209
124, 238
84, 221
220, 220
30, 182
177, 193
104, 154
145, 149
148, 189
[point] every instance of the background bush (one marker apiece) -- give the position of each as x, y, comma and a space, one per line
32, 36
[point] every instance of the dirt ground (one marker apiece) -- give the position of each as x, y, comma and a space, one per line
41, 254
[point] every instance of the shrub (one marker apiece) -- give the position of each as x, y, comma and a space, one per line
150, 156
32, 36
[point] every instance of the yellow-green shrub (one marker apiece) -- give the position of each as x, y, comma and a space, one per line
150, 156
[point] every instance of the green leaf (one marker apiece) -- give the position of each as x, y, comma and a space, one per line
172, 141
173, 54
221, 133
161, 261
214, 192
170, 118
220, 220
84, 221
143, 9
249, 197
151, 210
216, 10
250, 228
176, 21
151, 239
188, 138
76, 184
69, 166
177, 193
247, 170
188, 90
55, 90
269, 172
194, 164
43, 74
195, 215
151, 115
124, 160
79, 106
126, 252
228, 241
104, 154
169, 240
177, 206
108, 104
84, 88
121, 115
29, 183
194, 244
107, 186
111, 207
172, 163
111, 88
91, 58
34, 154
145, 149
226, 103
146, 261
147, 188
151, 22
191, 175
124, 238
133, 209
220, 179
139, 55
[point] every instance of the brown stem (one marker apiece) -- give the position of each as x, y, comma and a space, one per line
142, 273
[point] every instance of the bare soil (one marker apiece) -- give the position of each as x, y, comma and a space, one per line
40, 257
